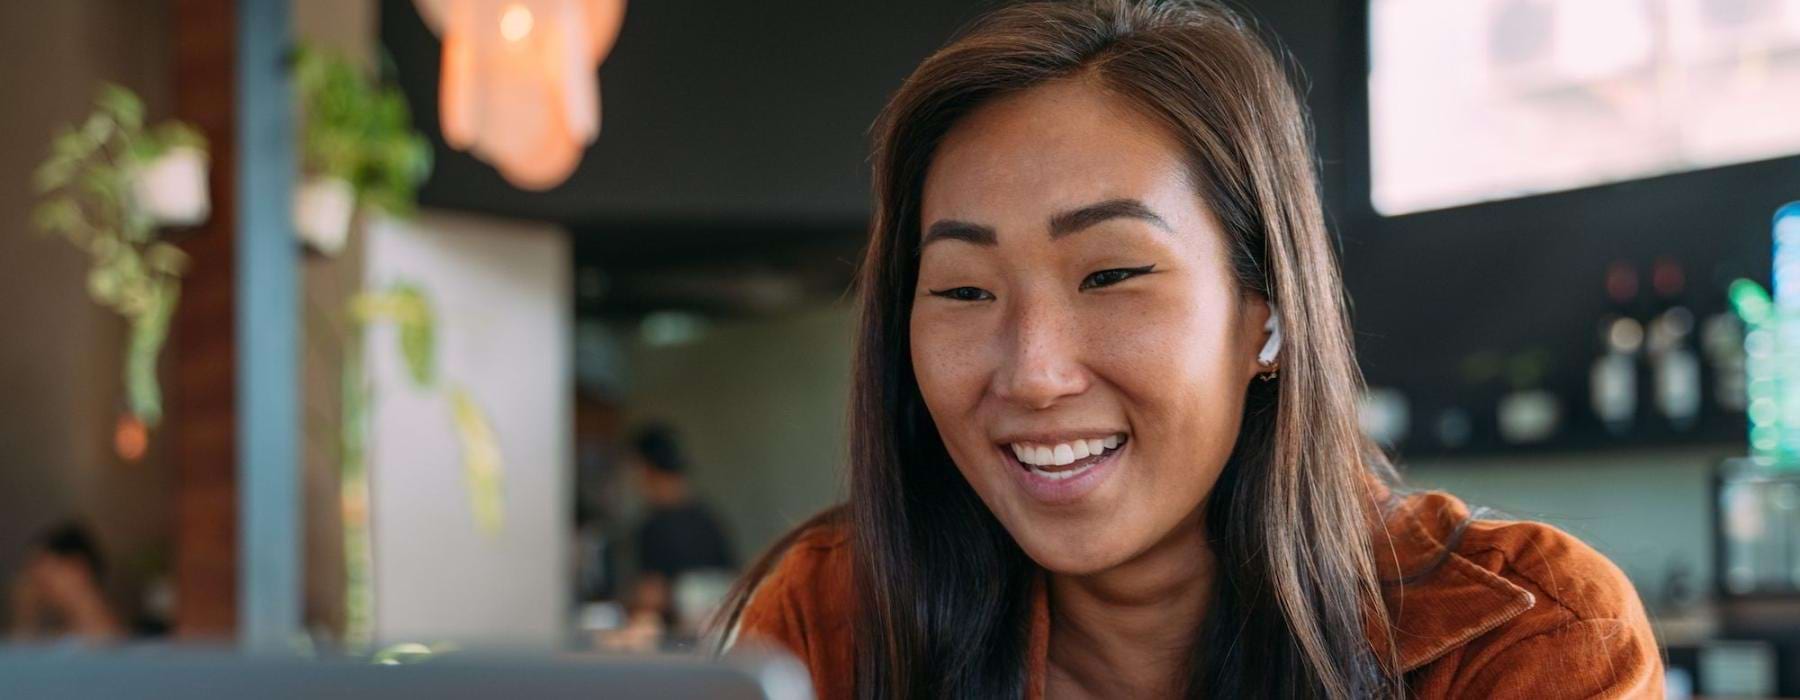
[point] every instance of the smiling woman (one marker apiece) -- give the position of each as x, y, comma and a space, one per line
1087, 457
1100, 304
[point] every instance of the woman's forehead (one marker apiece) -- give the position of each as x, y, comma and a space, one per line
1052, 148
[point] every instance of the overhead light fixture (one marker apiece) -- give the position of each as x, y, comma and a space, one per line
519, 84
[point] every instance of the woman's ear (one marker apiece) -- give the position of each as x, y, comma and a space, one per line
1271, 349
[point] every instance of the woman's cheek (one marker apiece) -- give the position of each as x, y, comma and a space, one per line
947, 359
1137, 338
1169, 357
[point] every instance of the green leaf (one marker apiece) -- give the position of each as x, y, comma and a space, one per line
164, 138
57, 215
405, 306
70, 144
484, 468
97, 129
104, 248
122, 105
104, 285
175, 134
145, 149
166, 258
139, 226
137, 297
102, 184
418, 346
53, 174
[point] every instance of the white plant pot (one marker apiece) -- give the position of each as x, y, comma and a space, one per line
172, 188
323, 207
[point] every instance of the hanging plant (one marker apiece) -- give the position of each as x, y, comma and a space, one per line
358, 148
105, 188
406, 307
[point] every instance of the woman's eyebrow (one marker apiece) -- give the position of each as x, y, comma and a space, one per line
951, 229
1076, 220
1062, 224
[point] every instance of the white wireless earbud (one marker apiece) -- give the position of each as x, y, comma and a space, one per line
1273, 347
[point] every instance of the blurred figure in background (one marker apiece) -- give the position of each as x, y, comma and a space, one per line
600, 484
681, 546
59, 594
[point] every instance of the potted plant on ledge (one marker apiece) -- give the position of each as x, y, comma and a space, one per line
357, 148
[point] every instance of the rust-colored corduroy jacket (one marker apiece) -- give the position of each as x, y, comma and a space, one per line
1518, 610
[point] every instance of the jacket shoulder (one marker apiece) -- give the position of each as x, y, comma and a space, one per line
804, 606
1570, 579
1557, 618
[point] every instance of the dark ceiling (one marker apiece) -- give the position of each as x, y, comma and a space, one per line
734, 138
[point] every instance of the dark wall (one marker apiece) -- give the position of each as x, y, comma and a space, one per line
732, 129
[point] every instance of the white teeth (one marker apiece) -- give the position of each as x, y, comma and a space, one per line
1060, 475
1063, 454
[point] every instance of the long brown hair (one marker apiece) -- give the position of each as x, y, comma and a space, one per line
943, 590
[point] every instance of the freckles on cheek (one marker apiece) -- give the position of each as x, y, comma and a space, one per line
944, 364
1152, 337
950, 380
1166, 353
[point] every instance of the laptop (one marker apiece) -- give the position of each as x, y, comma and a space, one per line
161, 673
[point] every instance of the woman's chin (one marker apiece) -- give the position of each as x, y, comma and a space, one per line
1081, 558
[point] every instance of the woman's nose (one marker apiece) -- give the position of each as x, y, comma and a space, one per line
1042, 363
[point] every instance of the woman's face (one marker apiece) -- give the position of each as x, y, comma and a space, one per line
1077, 333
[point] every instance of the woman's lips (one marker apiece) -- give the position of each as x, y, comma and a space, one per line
1057, 455
1062, 478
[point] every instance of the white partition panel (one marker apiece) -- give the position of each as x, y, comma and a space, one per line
500, 297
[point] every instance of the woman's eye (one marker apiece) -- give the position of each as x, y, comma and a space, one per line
1107, 278
963, 294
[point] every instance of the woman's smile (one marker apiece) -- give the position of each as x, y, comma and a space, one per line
1062, 468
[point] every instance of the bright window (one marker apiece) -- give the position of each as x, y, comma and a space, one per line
1478, 100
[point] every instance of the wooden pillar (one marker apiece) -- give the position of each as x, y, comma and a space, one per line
203, 348
235, 415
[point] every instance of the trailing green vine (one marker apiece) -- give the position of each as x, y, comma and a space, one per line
86, 186
408, 309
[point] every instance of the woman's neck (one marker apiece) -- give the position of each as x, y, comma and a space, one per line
1129, 631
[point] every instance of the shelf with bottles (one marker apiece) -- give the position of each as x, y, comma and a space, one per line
1664, 367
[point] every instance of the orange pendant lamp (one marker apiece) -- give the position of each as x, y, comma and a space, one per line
520, 87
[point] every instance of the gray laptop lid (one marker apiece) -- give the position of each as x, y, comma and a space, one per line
192, 675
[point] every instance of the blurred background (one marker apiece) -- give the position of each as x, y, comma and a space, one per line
339, 324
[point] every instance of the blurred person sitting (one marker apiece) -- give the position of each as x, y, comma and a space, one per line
58, 595
680, 544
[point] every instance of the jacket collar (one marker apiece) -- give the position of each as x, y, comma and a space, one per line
1447, 602
1437, 599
